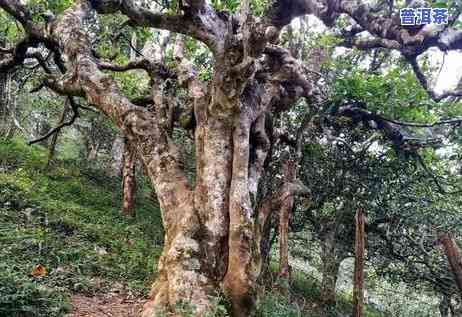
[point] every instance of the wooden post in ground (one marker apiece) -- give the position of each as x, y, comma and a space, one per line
358, 278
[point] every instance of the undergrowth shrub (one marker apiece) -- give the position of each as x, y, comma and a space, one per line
21, 297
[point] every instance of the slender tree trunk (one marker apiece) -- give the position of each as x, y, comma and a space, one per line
358, 278
330, 267
287, 204
12, 109
54, 138
128, 180
8, 121
266, 243
453, 255
4, 77
3, 107
117, 154
133, 46
444, 305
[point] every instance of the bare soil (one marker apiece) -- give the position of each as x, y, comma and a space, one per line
107, 305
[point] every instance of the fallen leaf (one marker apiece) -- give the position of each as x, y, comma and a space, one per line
39, 270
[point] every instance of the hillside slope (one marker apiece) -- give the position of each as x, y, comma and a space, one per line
65, 244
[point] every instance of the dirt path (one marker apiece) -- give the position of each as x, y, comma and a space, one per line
111, 305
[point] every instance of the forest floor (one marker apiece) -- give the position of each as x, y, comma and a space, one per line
67, 251
105, 305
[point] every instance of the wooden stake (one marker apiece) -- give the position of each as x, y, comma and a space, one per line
358, 278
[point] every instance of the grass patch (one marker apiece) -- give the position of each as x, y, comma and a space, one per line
303, 299
70, 224
67, 220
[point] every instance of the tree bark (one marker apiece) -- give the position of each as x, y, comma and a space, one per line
244, 257
284, 217
358, 278
453, 255
128, 180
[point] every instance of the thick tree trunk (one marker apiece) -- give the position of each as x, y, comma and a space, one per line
330, 267
128, 180
244, 259
453, 255
191, 225
212, 231
358, 278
